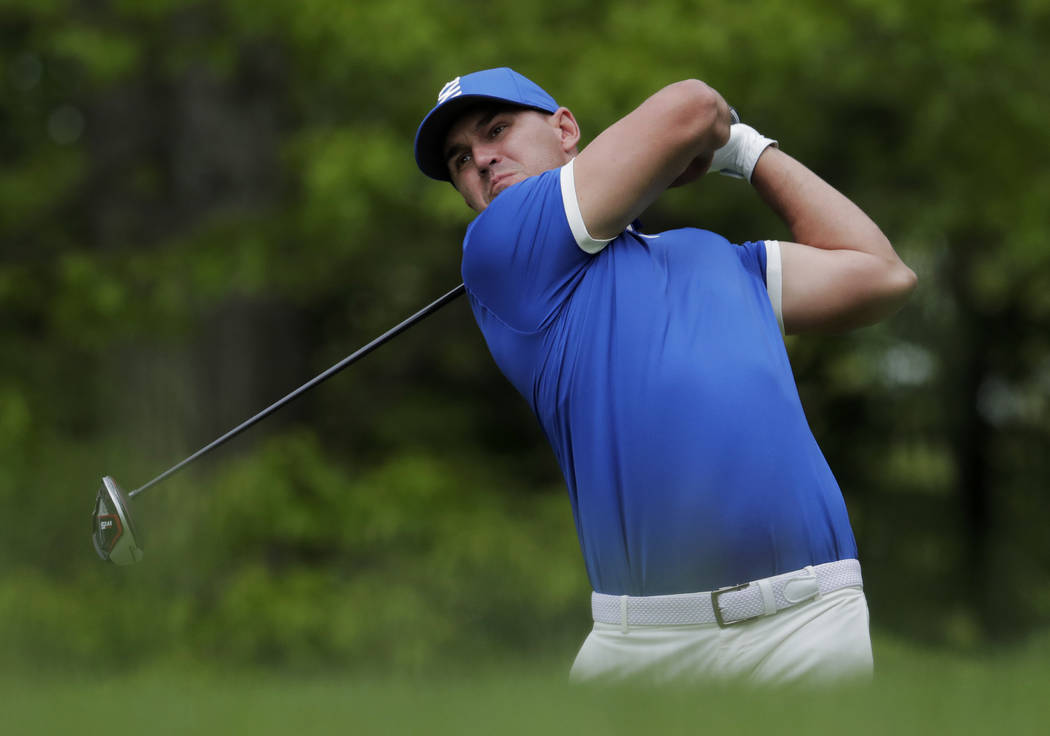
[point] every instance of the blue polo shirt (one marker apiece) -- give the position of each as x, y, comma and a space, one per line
657, 369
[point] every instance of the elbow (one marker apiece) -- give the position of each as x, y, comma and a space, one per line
901, 281
701, 114
895, 286
882, 292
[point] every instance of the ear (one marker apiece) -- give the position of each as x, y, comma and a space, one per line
568, 129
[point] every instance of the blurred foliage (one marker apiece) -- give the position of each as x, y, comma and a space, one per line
204, 204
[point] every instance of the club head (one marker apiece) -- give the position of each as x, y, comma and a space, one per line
112, 529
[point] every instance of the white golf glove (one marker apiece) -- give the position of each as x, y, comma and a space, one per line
738, 157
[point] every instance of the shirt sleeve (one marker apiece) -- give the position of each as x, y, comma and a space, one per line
573, 214
521, 259
775, 280
764, 257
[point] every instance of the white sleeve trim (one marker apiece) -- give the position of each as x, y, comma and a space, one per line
572, 213
775, 281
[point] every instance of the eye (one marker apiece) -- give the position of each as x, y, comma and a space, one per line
461, 160
497, 129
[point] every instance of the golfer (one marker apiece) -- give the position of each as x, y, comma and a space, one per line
714, 533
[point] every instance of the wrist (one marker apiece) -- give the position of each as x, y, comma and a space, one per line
738, 157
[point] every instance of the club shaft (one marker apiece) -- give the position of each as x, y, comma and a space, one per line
345, 362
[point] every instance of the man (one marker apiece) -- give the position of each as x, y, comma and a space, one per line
657, 369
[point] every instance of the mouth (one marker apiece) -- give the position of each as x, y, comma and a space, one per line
498, 184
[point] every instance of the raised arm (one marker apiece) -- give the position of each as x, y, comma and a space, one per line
842, 272
628, 166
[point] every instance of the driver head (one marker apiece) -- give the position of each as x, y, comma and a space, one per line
112, 530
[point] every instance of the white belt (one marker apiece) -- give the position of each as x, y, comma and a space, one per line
729, 605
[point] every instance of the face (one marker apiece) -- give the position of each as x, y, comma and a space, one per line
489, 149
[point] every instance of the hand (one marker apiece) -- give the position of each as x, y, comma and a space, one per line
696, 168
738, 157
701, 164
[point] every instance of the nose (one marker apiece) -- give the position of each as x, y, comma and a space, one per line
486, 157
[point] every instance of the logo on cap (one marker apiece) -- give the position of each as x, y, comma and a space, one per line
449, 91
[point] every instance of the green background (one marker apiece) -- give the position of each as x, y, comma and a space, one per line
203, 204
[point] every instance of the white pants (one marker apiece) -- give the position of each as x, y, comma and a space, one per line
822, 640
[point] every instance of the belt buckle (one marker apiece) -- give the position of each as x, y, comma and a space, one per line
716, 594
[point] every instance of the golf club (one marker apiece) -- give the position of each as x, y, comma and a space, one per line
113, 531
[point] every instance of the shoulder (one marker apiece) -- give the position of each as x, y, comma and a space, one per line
689, 242
530, 199
519, 255
708, 250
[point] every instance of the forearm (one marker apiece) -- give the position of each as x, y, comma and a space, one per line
817, 214
841, 272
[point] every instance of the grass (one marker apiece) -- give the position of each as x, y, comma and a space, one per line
915, 691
